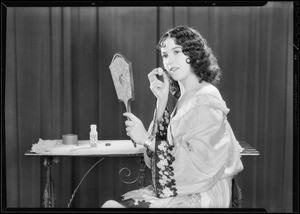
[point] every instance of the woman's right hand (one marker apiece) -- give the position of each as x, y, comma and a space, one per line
159, 89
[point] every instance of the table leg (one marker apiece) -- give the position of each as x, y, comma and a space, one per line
142, 172
47, 190
49, 196
141, 176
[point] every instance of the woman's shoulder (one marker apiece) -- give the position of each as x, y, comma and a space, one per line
210, 89
211, 96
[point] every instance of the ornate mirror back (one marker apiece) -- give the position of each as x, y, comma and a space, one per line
121, 72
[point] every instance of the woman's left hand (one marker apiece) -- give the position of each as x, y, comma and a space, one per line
135, 129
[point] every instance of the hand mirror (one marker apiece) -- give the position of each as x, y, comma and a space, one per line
121, 72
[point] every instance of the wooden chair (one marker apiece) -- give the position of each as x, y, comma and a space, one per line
236, 196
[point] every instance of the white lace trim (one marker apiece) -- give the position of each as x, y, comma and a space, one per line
202, 99
187, 201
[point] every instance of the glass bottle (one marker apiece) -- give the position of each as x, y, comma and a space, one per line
93, 135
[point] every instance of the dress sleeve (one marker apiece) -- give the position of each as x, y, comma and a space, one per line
162, 159
206, 153
158, 129
208, 143
162, 125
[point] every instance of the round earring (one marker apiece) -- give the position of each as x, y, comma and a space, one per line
188, 60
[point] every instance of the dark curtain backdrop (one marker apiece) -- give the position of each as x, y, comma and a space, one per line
58, 82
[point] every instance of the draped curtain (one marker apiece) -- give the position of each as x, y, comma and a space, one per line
58, 82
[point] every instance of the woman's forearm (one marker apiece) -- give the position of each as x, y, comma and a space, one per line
160, 108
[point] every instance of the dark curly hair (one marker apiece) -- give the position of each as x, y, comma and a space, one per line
194, 45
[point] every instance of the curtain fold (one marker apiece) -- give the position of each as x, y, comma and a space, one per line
58, 82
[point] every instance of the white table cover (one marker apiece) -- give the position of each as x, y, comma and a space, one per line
56, 147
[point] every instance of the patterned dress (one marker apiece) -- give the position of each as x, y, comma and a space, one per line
196, 156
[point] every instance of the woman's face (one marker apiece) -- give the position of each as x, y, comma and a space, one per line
174, 60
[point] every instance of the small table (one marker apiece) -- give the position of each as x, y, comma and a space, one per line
248, 150
105, 148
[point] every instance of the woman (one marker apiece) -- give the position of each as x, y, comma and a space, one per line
192, 153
